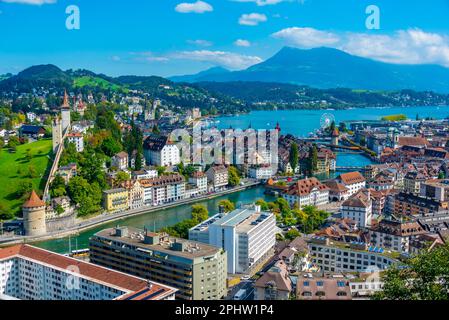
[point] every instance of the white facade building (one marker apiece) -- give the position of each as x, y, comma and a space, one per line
354, 181
159, 151
77, 139
307, 192
29, 273
247, 235
261, 172
359, 208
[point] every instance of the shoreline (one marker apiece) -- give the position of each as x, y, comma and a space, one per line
104, 219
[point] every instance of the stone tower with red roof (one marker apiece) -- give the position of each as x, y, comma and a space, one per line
34, 222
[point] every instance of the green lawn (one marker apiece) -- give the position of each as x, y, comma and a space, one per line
14, 168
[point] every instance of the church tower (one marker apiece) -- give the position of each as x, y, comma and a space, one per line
34, 216
65, 114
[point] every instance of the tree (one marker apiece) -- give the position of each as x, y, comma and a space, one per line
57, 187
199, 213
234, 176
292, 234
24, 188
111, 147
5, 214
426, 277
313, 159
161, 170
86, 195
227, 205
294, 156
121, 177
263, 204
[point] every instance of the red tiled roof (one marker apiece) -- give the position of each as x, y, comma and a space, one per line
305, 186
97, 273
34, 201
352, 178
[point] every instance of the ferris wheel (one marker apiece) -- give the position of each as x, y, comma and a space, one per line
326, 120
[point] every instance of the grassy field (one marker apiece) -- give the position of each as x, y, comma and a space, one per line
15, 167
95, 82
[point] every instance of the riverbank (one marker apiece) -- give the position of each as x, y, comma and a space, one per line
109, 218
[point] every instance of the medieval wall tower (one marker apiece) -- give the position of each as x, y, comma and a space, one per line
34, 216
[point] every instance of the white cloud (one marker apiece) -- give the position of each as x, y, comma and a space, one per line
149, 57
412, 46
242, 43
252, 19
201, 43
222, 58
115, 58
262, 3
30, 2
195, 7
306, 37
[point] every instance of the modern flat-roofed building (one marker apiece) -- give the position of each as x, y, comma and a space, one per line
246, 234
197, 270
30, 273
335, 256
435, 189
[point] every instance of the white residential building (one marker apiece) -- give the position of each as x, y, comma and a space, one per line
160, 151
164, 189
264, 172
218, 178
77, 139
199, 180
359, 208
247, 235
307, 192
30, 273
354, 181
120, 161
395, 235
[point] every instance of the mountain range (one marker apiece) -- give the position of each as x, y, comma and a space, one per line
331, 68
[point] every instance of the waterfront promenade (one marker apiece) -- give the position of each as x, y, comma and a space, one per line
83, 225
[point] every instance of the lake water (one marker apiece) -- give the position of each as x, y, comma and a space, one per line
302, 122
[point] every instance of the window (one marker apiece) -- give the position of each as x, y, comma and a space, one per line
320, 283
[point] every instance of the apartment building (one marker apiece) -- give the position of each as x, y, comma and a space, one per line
354, 181
395, 235
275, 284
199, 180
163, 189
196, 269
218, 178
334, 256
408, 204
435, 189
160, 151
261, 172
77, 139
412, 182
246, 234
30, 273
136, 194
359, 208
120, 161
307, 192
116, 200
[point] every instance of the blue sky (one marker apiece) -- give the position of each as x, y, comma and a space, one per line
172, 37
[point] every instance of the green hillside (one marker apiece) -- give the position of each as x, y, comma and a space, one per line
15, 168
95, 82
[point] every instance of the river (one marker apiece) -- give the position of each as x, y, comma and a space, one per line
154, 220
